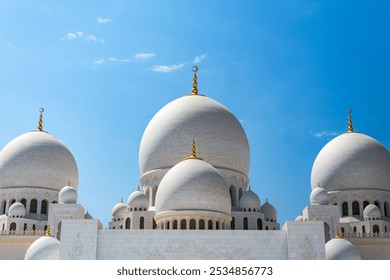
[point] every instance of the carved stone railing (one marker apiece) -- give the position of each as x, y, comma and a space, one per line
365, 235
22, 232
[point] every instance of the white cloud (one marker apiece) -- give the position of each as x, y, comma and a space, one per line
167, 68
103, 20
91, 38
325, 134
79, 33
113, 59
70, 36
199, 58
144, 56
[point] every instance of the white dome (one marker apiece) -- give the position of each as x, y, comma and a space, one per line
319, 196
44, 248
218, 133
138, 200
352, 161
17, 209
193, 185
299, 218
372, 212
68, 195
341, 249
269, 211
37, 159
118, 209
249, 200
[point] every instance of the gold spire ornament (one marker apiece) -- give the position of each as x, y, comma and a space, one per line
193, 152
337, 232
194, 81
350, 127
40, 119
48, 231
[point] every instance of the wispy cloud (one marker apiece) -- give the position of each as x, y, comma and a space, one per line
199, 58
321, 134
103, 20
167, 68
71, 36
113, 59
144, 56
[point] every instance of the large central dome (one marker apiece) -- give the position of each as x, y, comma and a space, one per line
218, 133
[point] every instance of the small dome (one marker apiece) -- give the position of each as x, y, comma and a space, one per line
118, 209
17, 209
299, 218
269, 212
138, 200
3, 216
44, 248
193, 184
37, 159
88, 216
352, 161
319, 196
249, 200
341, 249
68, 195
372, 212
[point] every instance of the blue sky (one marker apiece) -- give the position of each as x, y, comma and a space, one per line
288, 70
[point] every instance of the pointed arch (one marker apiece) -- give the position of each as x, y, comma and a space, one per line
127, 224
355, 208
259, 224
141, 223
233, 223
345, 208
245, 223
44, 207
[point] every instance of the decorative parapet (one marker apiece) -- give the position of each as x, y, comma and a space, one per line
365, 235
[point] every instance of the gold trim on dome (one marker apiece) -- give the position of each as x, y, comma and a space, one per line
40, 127
337, 232
193, 152
350, 127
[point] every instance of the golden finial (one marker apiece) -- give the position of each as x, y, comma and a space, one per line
350, 127
193, 153
48, 231
40, 119
337, 232
194, 82
318, 185
138, 188
121, 199
69, 184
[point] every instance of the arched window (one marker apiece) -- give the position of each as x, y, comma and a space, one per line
375, 229
345, 208
355, 208
127, 224
167, 225
240, 192
24, 202
386, 208
141, 223
210, 224
183, 224
55, 202
175, 224
365, 203
201, 224
33, 227
259, 224
342, 230
233, 224
12, 201
44, 207
354, 229
217, 225
154, 224
12, 226
233, 195
192, 224
2, 206
25, 227
245, 223
266, 228
363, 229
378, 204
33, 206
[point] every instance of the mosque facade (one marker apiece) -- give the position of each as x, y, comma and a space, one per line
194, 200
